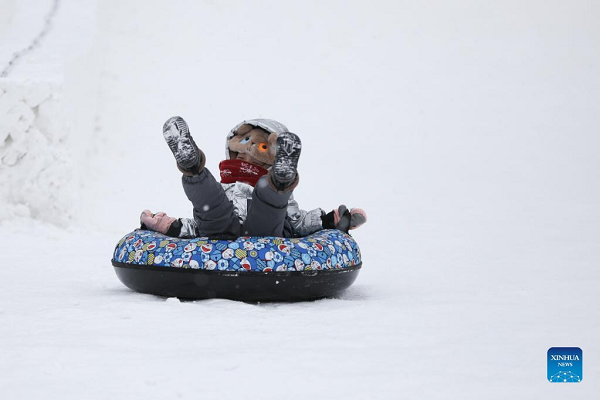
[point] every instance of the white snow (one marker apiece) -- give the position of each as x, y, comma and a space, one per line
468, 132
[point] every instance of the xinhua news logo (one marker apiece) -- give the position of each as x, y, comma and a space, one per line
565, 364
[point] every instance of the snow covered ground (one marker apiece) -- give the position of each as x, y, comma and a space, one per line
467, 130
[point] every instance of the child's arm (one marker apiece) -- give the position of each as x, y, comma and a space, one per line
344, 219
304, 222
162, 223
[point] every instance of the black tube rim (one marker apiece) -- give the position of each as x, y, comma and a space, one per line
236, 273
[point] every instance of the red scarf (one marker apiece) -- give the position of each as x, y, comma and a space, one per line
240, 171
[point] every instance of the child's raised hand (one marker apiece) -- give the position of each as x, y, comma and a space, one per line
344, 219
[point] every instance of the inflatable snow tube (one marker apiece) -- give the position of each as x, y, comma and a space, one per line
248, 268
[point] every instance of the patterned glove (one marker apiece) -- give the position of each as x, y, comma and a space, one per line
344, 219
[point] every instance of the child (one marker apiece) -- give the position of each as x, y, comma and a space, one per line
254, 197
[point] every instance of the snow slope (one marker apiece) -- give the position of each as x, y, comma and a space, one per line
467, 130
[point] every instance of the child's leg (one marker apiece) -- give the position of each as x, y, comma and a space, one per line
213, 212
266, 214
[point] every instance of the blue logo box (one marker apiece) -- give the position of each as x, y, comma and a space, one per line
565, 364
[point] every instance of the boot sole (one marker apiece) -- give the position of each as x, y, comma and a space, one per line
177, 135
289, 147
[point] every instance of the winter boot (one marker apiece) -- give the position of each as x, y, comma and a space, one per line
284, 174
190, 159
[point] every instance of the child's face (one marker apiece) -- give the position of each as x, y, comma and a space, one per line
251, 145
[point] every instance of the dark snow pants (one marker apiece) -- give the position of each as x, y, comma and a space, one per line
214, 215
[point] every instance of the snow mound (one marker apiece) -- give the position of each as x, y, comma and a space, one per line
36, 166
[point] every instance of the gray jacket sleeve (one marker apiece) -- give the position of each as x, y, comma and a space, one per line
304, 222
188, 228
